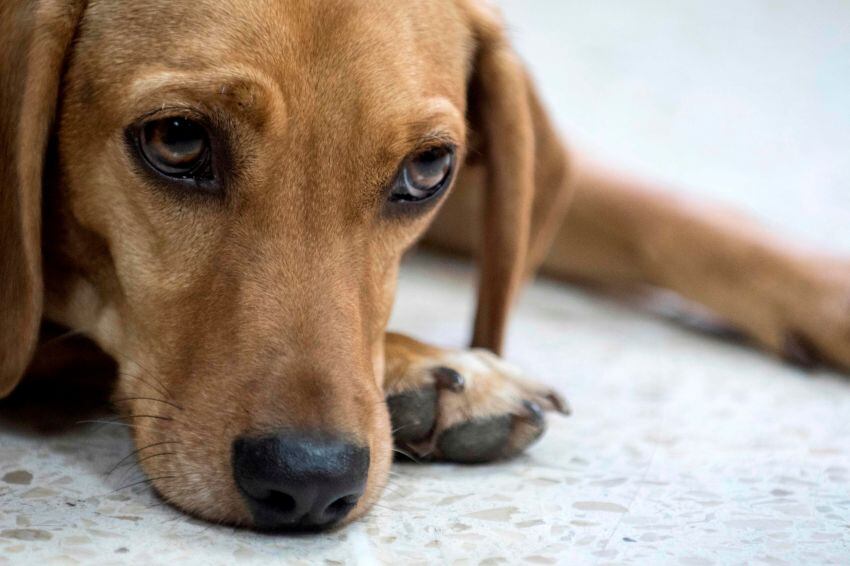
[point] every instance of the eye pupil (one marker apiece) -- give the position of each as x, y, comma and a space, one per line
424, 174
429, 168
182, 138
176, 147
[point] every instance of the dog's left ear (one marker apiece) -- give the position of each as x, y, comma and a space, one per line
35, 37
521, 152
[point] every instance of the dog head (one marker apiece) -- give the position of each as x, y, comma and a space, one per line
219, 193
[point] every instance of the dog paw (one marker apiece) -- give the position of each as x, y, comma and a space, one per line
467, 407
809, 325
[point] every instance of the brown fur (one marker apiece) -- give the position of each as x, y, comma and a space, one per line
268, 309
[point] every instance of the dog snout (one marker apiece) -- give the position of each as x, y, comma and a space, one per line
299, 481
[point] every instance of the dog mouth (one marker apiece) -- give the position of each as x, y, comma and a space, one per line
225, 462
276, 482
282, 479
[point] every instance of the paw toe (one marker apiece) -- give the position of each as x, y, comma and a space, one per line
413, 414
476, 441
527, 429
448, 378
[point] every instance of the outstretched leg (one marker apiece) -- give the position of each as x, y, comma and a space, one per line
792, 301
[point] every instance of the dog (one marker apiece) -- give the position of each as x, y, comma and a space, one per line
218, 194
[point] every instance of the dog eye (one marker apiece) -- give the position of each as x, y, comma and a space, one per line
424, 174
176, 147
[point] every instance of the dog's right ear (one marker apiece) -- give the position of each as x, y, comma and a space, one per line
35, 37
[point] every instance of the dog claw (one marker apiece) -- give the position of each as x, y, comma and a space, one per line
447, 378
560, 404
535, 412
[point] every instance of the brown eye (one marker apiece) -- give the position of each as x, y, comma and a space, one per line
176, 147
424, 174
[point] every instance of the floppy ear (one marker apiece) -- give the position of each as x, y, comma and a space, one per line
520, 150
501, 120
34, 39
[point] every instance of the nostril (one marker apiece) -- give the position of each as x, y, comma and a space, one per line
299, 481
341, 507
282, 502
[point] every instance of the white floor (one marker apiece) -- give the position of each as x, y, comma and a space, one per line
684, 449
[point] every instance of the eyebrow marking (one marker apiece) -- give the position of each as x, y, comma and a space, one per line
247, 87
439, 122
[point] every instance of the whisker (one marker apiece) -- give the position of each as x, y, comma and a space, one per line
114, 423
134, 452
127, 399
163, 390
82, 331
160, 390
160, 417
155, 456
149, 480
408, 454
105, 422
131, 473
147, 372
137, 468
402, 427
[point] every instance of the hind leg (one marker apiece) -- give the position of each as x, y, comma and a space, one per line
792, 301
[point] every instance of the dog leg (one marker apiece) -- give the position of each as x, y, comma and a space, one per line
464, 406
788, 299
792, 301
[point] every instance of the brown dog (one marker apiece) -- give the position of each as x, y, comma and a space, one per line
218, 194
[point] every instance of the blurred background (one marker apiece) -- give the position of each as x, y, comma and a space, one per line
744, 102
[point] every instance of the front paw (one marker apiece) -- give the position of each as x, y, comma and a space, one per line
468, 407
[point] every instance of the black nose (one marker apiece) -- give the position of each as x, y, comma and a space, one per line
295, 481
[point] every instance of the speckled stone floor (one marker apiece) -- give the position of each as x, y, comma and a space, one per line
684, 448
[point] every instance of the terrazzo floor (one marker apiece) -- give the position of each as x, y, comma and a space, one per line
684, 448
